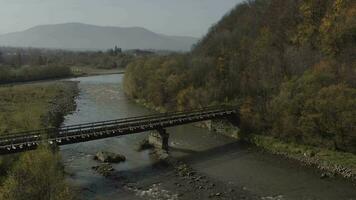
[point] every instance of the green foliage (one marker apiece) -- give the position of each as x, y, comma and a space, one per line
21, 64
27, 73
36, 175
337, 30
332, 114
156, 79
315, 109
18, 57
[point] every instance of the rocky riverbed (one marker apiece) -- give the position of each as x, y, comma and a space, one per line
176, 180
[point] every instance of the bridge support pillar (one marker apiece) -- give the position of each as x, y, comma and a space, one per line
159, 139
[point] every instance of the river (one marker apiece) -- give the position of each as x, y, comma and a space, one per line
219, 157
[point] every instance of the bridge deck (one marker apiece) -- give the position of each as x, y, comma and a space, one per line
17, 142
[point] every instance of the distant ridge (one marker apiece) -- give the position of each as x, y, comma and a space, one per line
78, 36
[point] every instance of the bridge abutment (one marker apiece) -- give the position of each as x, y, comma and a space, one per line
159, 139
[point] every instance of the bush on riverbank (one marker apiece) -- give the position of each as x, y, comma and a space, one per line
32, 73
316, 109
36, 175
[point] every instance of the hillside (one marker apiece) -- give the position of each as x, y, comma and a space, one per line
77, 36
290, 65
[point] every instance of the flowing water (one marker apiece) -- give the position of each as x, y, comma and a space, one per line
102, 98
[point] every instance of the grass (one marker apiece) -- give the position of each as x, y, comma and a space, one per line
324, 158
28, 107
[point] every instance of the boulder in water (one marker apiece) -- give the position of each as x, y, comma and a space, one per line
143, 145
109, 157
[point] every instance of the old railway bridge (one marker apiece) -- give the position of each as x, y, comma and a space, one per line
25, 141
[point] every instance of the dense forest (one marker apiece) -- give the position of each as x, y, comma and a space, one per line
289, 64
28, 64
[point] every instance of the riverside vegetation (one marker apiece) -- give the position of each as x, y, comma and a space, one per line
289, 65
28, 64
37, 174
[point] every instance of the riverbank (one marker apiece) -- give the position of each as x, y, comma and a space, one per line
76, 73
90, 71
330, 163
30, 107
63, 103
35, 106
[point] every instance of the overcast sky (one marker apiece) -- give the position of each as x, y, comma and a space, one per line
173, 17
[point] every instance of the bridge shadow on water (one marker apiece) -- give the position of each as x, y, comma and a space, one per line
182, 150
189, 156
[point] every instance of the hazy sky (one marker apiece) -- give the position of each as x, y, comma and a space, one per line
173, 17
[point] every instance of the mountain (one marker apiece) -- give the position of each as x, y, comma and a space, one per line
77, 36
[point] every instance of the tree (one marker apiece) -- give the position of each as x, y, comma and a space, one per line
1, 58
337, 29
37, 175
117, 50
331, 115
17, 60
111, 52
41, 60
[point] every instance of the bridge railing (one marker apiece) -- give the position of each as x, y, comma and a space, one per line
131, 122
52, 133
123, 129
134, 119
146, 116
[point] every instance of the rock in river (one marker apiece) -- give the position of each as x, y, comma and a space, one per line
143, 145
104, 169
109, 157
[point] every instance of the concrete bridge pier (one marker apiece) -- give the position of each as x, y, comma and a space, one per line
159, 139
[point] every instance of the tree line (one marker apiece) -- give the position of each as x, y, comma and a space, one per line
289, 64
25, 64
